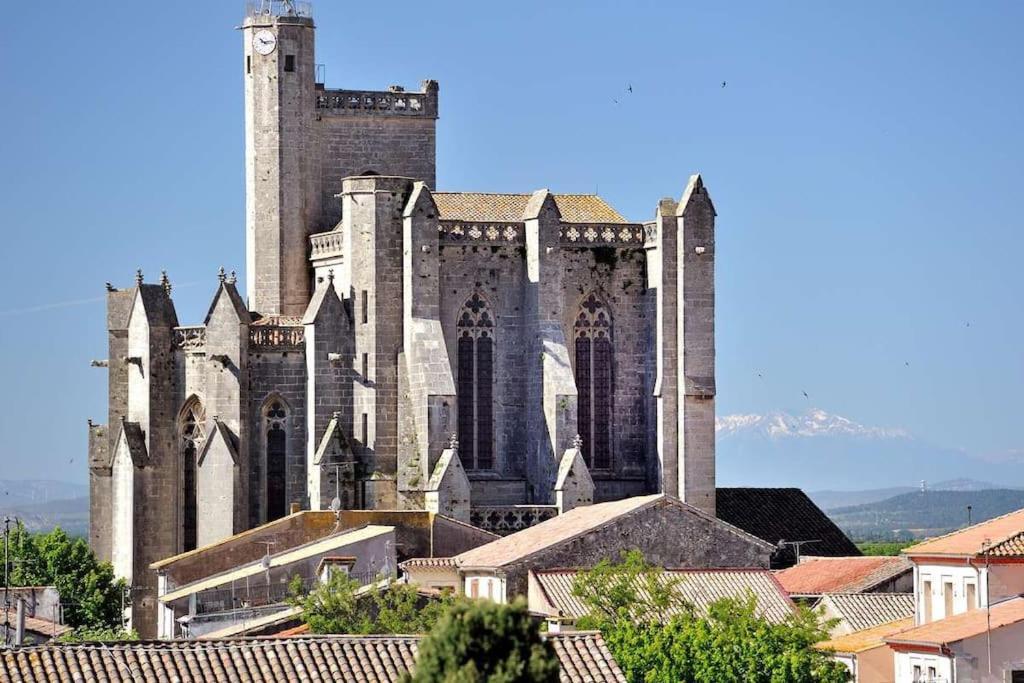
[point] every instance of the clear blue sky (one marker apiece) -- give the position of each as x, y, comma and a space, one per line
865, 160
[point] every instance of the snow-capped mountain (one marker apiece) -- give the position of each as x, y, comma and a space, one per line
821, 450
815, 422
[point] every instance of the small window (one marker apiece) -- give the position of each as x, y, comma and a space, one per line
366, 367
947, 599
926, 596
364, 304
972, 596
289, 62
917, 673
366, 430
248, 64
931, 673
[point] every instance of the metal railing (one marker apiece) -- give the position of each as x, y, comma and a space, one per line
278, 8
261, 594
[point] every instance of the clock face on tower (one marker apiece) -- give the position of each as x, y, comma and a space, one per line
264, 42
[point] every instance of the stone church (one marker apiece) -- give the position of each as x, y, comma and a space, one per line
401, 347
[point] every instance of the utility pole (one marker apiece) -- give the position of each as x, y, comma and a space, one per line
7, 582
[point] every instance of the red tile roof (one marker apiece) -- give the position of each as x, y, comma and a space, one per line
815, 576
1005, 536
962, 626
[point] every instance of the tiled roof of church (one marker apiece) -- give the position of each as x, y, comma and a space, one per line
583, 656
492, 207
783, 514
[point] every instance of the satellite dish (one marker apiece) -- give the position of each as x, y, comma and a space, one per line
265, 562
336, 504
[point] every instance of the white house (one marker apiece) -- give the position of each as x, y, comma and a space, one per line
968, 609
968, 569
980, 645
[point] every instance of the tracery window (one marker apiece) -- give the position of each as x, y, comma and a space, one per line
475, 380
275, 420
191, 435
593, 333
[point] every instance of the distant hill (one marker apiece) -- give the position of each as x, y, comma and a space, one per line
44, 504
921, 514
828, 500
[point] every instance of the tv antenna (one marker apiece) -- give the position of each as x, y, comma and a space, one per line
796, 546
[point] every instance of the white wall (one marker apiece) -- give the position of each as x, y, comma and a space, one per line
485, 586
938, 575
123, 489
906, 661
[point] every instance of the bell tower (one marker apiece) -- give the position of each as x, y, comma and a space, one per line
281, 172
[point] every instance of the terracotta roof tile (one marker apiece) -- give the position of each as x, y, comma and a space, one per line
1004, 533
962, 626
491, 207
699, 587
45, 627
819, 575
867, 610
441, 562
866, 639
357, 659
585, 658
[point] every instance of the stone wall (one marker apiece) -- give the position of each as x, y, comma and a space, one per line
497, 273
668, 536
354, 144
277, 374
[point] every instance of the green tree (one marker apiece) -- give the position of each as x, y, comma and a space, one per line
89, 594
483, 642
86, 634
659, 639
341, 605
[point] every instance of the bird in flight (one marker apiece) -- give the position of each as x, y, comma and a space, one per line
805, 394
907, 363
723, 84
615, 100
629, 88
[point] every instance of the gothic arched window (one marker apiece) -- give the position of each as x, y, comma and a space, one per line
593, 333
275, 422
191, 434
476, 374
